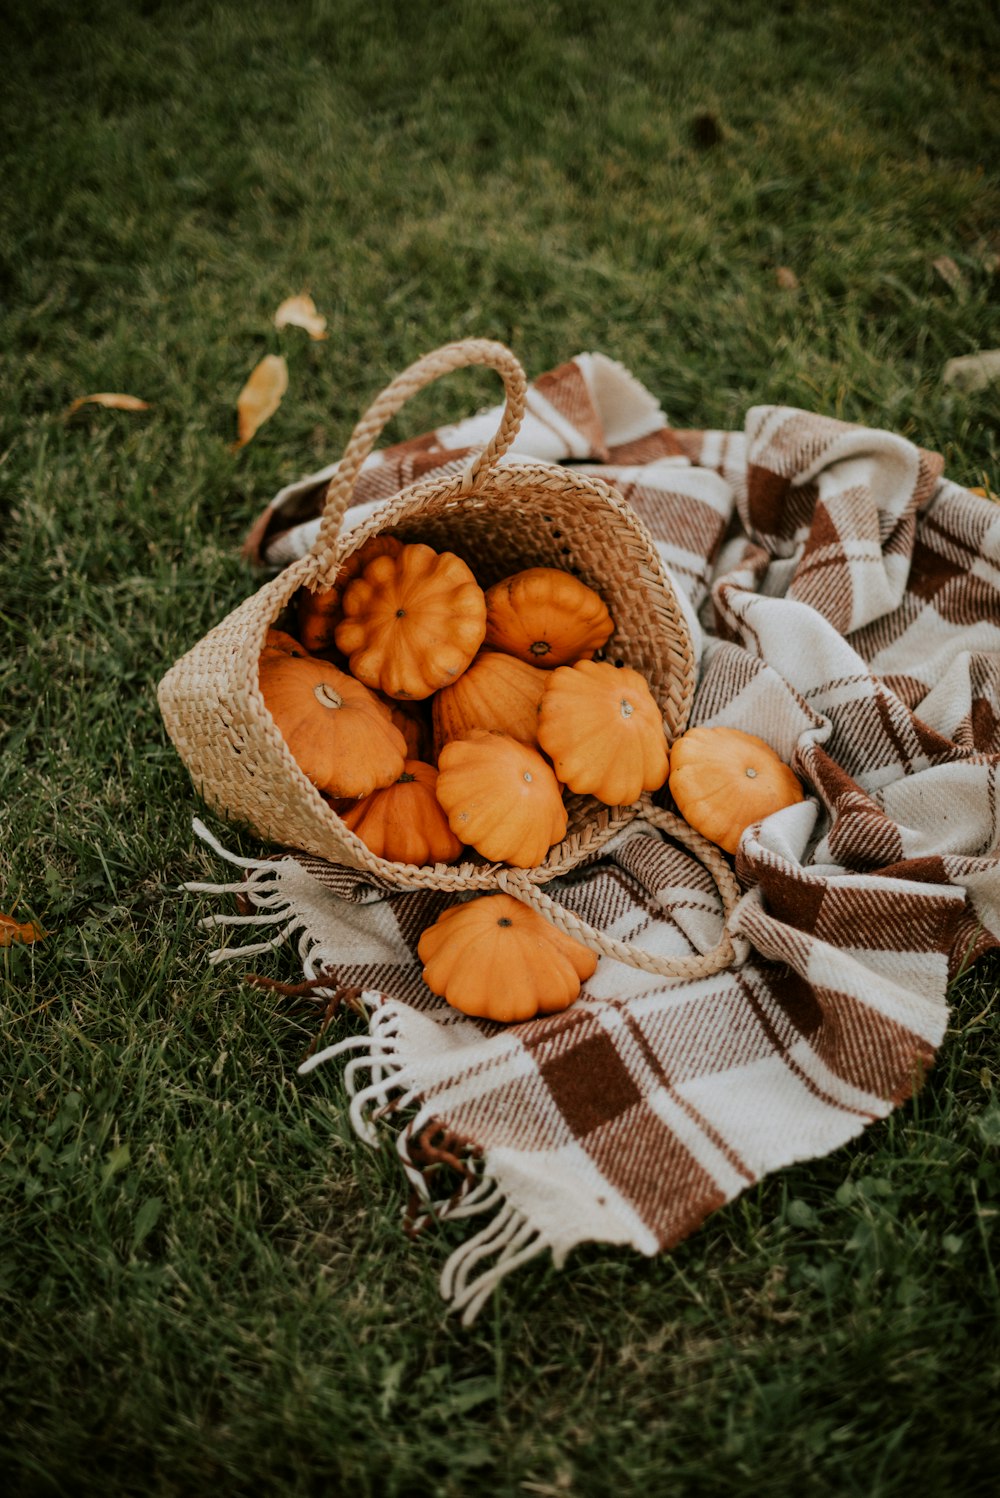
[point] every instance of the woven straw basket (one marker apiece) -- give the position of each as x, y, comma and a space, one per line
499, 518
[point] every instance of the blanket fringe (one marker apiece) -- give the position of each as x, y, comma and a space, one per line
424, 1147
508, 1239
513, 1241
378, 1084
389, 1088
234, 858
260, 890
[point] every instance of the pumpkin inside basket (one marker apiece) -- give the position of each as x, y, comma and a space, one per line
499, 518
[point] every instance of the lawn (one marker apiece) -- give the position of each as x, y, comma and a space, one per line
205, 1287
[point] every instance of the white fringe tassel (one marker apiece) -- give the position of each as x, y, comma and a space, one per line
508, 1238
474, 1196
388, 1084
262, 887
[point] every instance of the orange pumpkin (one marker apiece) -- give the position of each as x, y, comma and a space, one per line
282, 643
338, 732
404, 822
603, 731
498, 959
319, 613
413, 622
546, 617
497, 691
501, 797
410, 720
317, 617
723, 779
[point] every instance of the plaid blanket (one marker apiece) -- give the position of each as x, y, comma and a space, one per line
845, 600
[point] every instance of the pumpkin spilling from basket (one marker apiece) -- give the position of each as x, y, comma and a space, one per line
435, 717
475, 690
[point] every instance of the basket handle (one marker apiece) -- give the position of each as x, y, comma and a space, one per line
701, 964
442, 361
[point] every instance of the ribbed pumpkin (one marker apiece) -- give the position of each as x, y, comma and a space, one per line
723, 779
338, 732
603, 731
497, 691
546, 617
413, 622
501, 797
498, 959
319, 613
404, 822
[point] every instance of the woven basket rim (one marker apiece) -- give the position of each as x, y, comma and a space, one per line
215, 712
394, 513
509, 486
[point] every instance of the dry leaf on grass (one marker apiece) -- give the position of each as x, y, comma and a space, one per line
260, 397
949, 272
973, 371
786, 278
12, 931
300, 312
110, 398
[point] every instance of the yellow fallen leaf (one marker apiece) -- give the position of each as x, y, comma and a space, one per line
260, 397
786, 278
108, 398
983, 493
12, 931
300, 312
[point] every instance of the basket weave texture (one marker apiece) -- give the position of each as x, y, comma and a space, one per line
499, 518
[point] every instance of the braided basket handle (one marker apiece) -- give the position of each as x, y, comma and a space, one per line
701, 964
467, 351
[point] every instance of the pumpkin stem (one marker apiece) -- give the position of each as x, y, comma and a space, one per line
751, 772
505, 920
326, 696
540, 647
626, 708
406, 778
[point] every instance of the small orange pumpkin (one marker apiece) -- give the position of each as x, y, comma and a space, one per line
319, 613
501, 797
497, 691
413, 622
404, 822
603, 731
279, 642
317, 617
498, 959
546, 617
723, 779
339, 733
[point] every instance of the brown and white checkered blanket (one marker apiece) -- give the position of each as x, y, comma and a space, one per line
845, 598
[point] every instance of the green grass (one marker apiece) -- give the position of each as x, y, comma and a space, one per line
204, 1283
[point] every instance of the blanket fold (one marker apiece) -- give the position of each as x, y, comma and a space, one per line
847, 597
